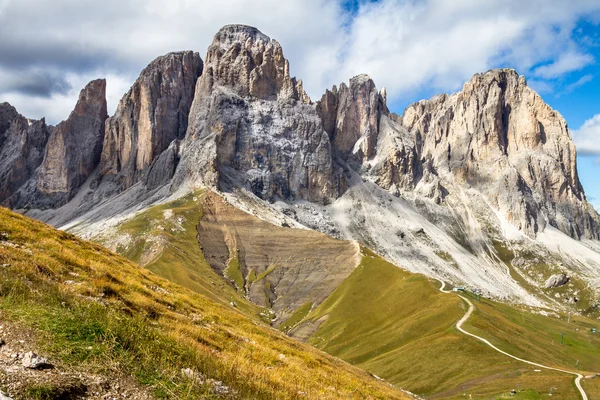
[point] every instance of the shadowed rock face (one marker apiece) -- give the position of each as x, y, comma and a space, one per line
22, 144
74, 147
150, 116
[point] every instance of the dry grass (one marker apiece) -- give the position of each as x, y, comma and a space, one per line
98, 312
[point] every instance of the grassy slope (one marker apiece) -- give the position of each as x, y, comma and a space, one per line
388, 321
180, 259
537, 337
400, 327
98, 312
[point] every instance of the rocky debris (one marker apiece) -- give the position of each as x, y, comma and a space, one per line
33, 361
556, 280
22, 144
152, 115
219, 387
60, 382
74, 148
4, 396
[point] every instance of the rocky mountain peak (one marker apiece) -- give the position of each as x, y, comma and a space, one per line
74, 147
150, 117
228, 35
498, 135
351, 115
7, 115
22, 144
244, 59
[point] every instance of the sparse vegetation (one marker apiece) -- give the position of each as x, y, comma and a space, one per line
447, 257
97, 312
266, 272
234, 273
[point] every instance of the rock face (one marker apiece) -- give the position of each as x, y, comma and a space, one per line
251, 123
351, 116
499, 136
150, 117
74, 147
22, 144
556, 280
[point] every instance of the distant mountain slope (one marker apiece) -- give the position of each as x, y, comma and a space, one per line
94, 312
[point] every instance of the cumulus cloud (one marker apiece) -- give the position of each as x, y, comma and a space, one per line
566, 62
587, 137
404, 45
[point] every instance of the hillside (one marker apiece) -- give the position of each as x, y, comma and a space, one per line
390, 322
95, 313
401, 327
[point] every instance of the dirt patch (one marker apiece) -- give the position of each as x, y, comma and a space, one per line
54, 381
281, 268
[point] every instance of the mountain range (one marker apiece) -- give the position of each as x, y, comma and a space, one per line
440, 190
322, 216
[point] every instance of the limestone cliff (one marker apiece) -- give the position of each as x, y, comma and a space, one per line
74, 147
499, 136
149, 117
253, 123
22, 144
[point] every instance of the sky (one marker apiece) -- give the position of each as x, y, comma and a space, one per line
49, 50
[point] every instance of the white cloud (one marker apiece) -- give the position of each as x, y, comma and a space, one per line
407, 45
566, 62
580, 82
404, 45
540, 86
587, 137
58, 107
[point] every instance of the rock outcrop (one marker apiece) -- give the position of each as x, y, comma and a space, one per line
351, 116
498, 135
150, 117
556, 280
22, 144
74, 147
252, 123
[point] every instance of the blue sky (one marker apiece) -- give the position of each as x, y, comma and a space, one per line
415, 48
577, 98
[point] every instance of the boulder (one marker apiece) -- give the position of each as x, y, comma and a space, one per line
33, 361
556, 280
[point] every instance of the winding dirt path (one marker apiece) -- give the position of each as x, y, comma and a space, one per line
464, 319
